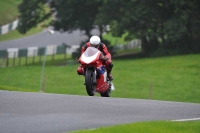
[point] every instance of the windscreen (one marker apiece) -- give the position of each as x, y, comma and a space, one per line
90, 51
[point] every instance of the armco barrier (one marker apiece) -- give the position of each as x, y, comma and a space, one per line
34, 51
8, 27
11, 54
3, 53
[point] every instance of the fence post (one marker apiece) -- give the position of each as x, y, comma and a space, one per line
7, 60
34, 53
14, 59
19, 58
53, 54
26, 59
65, 52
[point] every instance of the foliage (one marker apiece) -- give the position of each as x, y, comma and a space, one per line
32, 12
73, 14
171, 21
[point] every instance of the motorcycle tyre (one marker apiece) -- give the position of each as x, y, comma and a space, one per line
90, 87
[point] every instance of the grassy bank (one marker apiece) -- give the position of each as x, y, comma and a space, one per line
8, 11
167, 78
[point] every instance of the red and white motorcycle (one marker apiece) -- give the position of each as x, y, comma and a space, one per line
95, 73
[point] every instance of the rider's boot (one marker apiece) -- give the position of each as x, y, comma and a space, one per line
110, 77
109, 67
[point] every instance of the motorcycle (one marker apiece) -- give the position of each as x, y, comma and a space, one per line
95, 73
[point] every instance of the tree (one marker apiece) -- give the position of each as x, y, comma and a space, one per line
75, 14
152, 19
78, 14
171, 24
32, 12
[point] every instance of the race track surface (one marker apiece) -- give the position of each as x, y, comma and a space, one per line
44, 38
24, 112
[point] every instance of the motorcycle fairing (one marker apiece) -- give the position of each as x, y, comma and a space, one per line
90, 55
102, 80
101, 70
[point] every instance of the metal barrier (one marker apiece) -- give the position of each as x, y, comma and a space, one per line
8, 57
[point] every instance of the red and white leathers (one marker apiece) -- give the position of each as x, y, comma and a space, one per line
106, 57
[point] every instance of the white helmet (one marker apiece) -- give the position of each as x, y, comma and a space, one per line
95, 40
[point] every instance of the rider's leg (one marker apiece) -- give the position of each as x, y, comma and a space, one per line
109, 67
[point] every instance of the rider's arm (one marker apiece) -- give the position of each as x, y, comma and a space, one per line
105, 50
83, 48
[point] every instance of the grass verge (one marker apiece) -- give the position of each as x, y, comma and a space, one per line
149, 127
14, 89
166, 78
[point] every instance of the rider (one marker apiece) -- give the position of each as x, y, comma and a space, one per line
95, 42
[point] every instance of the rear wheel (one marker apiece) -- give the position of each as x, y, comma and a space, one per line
90, 86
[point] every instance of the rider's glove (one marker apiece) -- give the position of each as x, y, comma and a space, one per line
102, 57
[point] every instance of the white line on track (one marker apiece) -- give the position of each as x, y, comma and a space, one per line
192, 119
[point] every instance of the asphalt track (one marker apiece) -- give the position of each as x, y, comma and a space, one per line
44, 38
24, 112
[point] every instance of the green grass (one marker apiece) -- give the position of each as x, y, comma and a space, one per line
14, 89
166, 78
149, 127
8, 11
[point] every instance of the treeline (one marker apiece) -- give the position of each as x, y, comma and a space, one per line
164, 26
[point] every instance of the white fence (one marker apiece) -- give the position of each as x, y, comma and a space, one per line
8, 27
34, 51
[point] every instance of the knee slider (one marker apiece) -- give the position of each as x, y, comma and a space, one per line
80, 71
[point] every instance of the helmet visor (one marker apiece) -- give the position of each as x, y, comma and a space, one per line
94, 45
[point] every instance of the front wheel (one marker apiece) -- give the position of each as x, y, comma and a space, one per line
90, 86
